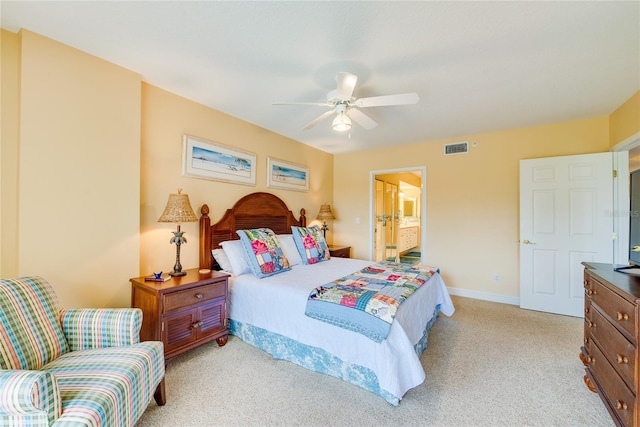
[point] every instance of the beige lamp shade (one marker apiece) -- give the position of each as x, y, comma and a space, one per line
325, 213
178, 209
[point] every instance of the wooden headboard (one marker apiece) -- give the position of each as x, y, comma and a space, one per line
254, 210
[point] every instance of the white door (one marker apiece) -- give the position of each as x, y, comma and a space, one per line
566, 206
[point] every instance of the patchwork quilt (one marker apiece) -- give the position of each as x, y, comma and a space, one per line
367, 301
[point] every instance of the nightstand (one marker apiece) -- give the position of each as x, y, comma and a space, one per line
183, 312
340, 251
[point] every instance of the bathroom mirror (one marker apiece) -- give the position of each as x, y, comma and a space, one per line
409, 207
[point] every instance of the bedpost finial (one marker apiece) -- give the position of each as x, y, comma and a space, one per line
204, 210
303, 217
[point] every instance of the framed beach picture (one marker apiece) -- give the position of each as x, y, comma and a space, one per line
210, 160
290, 176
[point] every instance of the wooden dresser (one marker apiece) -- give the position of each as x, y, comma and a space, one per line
184, 312
610, 350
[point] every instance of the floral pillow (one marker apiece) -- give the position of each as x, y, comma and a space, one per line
311, 244
265, 256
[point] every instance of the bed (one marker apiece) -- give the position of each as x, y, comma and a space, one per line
269, 312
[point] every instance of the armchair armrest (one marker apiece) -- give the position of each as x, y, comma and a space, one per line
29, 398
87, 328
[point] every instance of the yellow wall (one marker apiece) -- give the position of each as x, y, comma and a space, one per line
625, 121
472, 199
9, 95
78, 169
165, 119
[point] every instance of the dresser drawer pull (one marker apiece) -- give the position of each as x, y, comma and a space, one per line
199, 296
621, 359
622, 316
586, 310
591, 324
196, 325
586, 340
592, 292
621, 405
585, 283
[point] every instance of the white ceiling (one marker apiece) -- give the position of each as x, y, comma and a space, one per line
477, 66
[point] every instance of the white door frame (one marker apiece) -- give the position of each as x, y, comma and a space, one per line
423, 207
621, 197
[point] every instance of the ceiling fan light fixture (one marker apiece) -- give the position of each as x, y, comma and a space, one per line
341, 123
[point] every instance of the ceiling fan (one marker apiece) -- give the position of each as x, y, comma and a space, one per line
341, 102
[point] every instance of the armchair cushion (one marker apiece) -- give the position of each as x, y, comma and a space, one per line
103, 386
87, 328
30, 332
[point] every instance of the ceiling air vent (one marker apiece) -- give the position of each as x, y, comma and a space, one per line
456, 148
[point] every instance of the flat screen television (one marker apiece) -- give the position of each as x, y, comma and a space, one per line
634, 222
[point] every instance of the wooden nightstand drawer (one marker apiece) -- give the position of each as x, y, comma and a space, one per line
340, 251
196, 295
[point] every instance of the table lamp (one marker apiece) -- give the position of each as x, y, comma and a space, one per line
325, 215
178, 210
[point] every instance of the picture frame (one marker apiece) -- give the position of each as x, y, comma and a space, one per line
211, 160
287, 175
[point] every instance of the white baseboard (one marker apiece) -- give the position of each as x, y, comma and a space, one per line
486, 296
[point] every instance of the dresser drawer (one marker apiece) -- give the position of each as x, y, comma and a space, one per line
618, 350
620, 311
616, 394
195, 295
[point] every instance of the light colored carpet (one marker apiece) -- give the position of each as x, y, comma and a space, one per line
489, 364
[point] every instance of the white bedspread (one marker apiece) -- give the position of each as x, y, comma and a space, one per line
277, 304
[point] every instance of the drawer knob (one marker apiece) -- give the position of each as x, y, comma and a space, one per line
584, 359
586, 310
196, 325
622, 316
592, 292
585, 283
621, 359
620, 405
199, 296
591, 324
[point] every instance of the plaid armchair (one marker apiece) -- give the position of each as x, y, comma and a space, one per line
80, 367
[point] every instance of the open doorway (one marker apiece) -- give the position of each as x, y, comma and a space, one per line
398, 214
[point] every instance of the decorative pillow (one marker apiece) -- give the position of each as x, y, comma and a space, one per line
289, 248
222, 260
311, 244
264, 254
236, 256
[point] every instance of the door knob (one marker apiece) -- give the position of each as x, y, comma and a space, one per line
528, 242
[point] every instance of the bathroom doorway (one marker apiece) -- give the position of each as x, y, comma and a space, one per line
393, 231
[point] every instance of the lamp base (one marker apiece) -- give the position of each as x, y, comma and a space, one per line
178, 273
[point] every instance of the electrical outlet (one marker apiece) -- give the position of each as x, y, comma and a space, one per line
496, 277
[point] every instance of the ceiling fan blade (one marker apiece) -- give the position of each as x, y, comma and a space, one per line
346, 85
362, 119
380, 101
318, 119
318, 104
